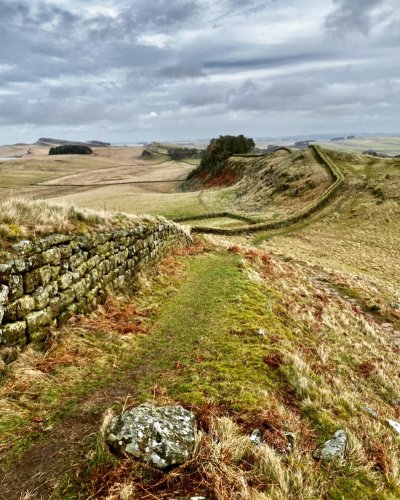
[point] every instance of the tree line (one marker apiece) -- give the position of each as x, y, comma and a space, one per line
182, 153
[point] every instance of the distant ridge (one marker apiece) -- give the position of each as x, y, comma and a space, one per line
47, 141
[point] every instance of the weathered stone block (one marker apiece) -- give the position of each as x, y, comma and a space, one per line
25, 305
12, 333
55, 305
81, 270
42, 297
85, 243
16, 287
51, 256
24, 247
66, 297
92, 262
75, 276
65, 251
65, 280
80, 289
75, 261
19, 265
37, 319
4, 292
5, 269
39, 335
37, 277
162, 436
64, 266
10, 312
34, 261
53, 240
55, 272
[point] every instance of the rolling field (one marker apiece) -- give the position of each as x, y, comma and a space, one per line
383, 145
115, 179
153, 198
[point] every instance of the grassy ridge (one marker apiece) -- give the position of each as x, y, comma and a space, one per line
316, 205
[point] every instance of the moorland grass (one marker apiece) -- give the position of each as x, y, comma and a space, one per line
22, 218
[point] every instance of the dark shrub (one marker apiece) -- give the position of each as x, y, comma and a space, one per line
70, 149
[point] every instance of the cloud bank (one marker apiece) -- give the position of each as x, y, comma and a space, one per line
161, 69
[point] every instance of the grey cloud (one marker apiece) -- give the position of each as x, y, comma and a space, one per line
266, 61
353, 16
163, 12
179, 71
63, 66
202, 95
68, 111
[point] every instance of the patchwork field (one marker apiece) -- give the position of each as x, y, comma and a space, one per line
114, 179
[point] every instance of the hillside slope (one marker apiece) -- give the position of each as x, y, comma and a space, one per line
273, 186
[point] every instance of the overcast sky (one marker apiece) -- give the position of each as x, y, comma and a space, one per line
131, 70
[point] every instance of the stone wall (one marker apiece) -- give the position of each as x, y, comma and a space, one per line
51, 279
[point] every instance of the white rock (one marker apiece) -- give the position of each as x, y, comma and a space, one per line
395, 425
333, 449
256, 437
160, 435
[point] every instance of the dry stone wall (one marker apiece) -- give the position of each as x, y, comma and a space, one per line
58, 276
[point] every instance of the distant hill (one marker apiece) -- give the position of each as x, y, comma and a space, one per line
46, 141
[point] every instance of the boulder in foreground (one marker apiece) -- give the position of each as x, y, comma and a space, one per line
162, 436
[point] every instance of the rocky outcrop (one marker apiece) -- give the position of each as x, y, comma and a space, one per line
50, 279
162, 436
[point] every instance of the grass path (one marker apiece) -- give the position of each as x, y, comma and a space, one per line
188, 355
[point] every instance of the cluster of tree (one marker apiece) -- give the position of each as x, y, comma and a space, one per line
181, 153
70, 149
221, 149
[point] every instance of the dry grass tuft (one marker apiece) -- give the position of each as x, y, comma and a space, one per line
21, 217
116, 315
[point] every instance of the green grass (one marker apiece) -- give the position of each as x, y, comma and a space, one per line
224, 222
192, 161
137, 200
197, 331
